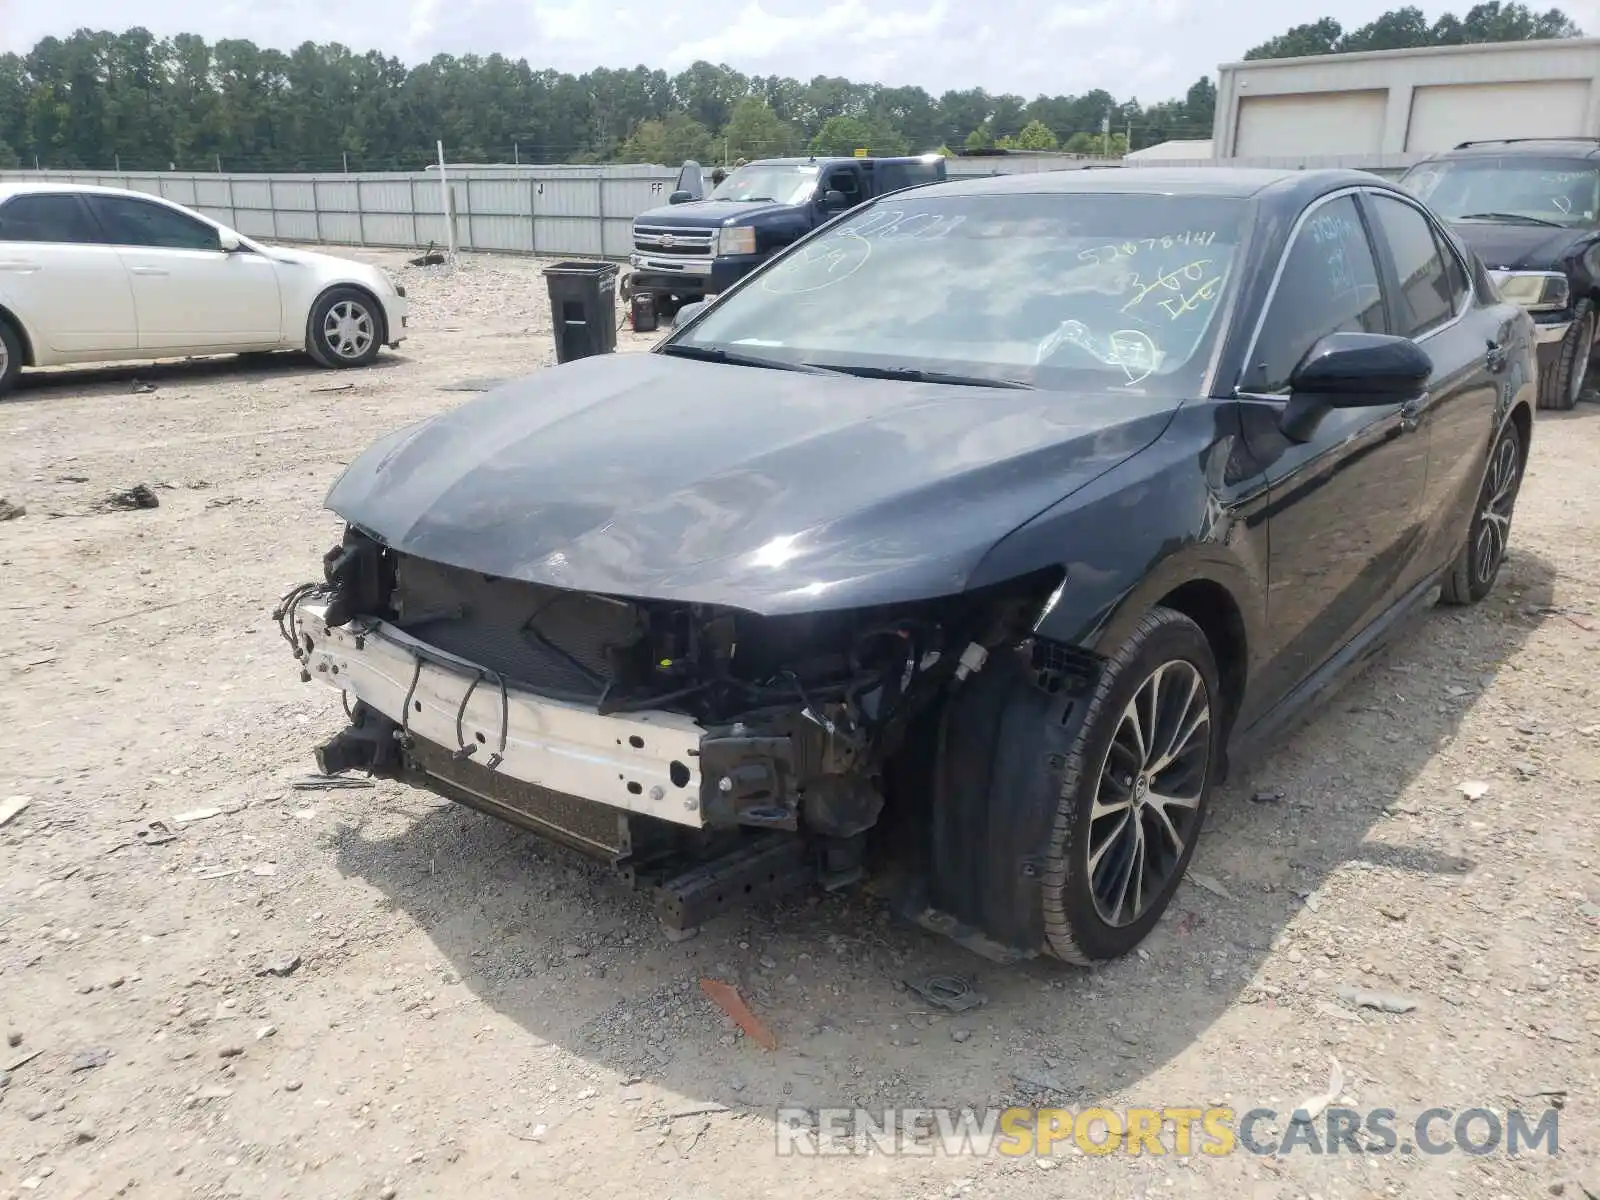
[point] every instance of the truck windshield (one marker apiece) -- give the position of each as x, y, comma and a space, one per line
1538, 191
791, 184
1090, 291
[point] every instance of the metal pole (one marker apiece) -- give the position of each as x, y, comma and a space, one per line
272, 206
219, 163
117, 160
347, 162
449, 218
361, 216
316, 209
516, 154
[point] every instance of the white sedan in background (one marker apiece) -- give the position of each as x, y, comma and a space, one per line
92, 274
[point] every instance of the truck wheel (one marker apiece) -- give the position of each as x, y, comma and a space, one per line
1560, 389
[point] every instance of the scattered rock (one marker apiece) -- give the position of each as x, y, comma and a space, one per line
13, 1039
11, 807
229, 1051
136, 497
280, 965
736, 1084
266, 1031
387, 1192
292, 1085
1200, 879
83, 1132
575, 951
1474, 789
1388, 1002
10, 511
1043, 1080
960, 1035
88, 1060
1266, 796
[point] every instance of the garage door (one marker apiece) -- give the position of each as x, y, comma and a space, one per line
1311, 123
1448, 114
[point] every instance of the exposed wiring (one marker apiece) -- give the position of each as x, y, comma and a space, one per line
463, 750
404, 737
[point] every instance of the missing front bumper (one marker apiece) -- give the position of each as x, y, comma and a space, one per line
645, 763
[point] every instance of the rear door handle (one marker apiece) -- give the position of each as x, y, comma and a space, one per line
1411, 413
147, 271
17, 266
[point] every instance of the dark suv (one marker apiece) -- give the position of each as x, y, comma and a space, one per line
1530, 207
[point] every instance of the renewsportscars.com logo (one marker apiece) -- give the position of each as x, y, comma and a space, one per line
1042, 1132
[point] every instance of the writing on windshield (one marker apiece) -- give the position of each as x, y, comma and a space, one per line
1559, 191
1043, 288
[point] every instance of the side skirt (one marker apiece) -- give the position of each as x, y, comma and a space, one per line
1327, 679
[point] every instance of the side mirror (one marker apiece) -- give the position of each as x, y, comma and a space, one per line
1353, 370
688, 313
834, 200
228, 241
680, 197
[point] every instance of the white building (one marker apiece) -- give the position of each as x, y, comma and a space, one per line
1399, 104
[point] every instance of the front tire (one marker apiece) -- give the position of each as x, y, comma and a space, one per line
1134, 797
1559, 391
1039, 773
345, 329
1477, 566
10, 356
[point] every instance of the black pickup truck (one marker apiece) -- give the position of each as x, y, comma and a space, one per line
693, 248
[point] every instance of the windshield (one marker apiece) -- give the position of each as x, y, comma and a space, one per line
1555, 191
1085, 291
791, 184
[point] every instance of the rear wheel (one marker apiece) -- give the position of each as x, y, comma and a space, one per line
1476, 568
10, 356
345, 330
1560, 389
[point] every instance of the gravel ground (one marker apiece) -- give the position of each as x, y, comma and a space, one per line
371, 993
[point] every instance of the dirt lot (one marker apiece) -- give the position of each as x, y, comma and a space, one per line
365, 993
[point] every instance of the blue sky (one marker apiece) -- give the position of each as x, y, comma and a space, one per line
1151, 49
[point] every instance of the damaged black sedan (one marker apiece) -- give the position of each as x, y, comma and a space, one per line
962, 544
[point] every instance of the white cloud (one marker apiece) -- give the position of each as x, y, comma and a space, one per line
1152, 48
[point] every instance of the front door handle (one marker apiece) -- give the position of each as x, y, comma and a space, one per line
1411, 413
15, 266
147, 271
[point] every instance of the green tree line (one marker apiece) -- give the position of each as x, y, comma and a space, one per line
131, 100
1409, 29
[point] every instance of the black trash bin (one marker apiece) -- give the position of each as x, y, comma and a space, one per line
583, 308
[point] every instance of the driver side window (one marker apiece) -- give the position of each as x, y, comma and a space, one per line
843, 180
1329, 285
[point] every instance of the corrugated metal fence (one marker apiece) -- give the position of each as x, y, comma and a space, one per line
550, 213
554, 211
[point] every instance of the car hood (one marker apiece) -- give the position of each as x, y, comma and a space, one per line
650, 476
1507, 246
704, 214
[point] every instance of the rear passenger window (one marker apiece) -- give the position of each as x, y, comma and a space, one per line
46, 218
1425, 301
1329, 285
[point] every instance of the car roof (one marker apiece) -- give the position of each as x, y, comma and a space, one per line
1555, 147
8, 190
1242, 182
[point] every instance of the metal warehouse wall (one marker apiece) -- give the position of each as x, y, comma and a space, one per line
1394, 102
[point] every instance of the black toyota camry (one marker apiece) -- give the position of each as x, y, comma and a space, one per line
963, 545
